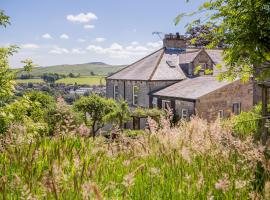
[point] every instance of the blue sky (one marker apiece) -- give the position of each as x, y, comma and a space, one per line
80, 31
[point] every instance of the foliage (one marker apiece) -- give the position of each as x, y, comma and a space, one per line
145, 112
120, 114
51, 77
4, 19
196, 160
95, 108
244, 26
247, 123
62, 120
23, 111
201, 36
28, 65
6, 76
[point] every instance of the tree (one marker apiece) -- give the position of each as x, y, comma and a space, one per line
4, 19
96, 109
201, 36
120, 114
28, 65
244, 26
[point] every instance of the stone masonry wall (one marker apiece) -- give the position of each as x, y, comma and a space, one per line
145, 87
209, 105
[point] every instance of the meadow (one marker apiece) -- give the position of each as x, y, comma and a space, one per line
194, 160
83, 80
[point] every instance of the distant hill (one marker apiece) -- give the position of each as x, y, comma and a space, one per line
98, 68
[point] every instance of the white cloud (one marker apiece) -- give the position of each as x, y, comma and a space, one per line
155, 44
78, 51
64, 36
100, 39
116, 50
30, 46
81, 40
82, 17
137, 48
58, 50
134, 43
46, 36
88, 26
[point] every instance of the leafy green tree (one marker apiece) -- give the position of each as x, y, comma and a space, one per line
4, 19
6, 75
120, 114
95, 109
244, 26
28, 65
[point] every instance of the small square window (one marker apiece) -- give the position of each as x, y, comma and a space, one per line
184, 113
236, 109
220, 114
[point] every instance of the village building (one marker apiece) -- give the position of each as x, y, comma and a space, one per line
170, 77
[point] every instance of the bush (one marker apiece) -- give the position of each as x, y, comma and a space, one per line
247, 123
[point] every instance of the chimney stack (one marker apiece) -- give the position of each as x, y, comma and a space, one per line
176, 41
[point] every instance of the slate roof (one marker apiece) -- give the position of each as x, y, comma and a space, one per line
192, 88
153, 67
164, 64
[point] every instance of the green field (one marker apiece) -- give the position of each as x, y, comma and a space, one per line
82, 69
29, 81
84, 80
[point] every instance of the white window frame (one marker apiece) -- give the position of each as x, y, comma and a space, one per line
155, 102
115, 94
221, 114
164, 104
239, 108
184, 113
135, 95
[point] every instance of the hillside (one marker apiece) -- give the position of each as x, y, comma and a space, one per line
97, 68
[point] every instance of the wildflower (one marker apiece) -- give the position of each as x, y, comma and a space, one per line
222, 184
185, 154
129, 180
239, 184
126, 163
154, 171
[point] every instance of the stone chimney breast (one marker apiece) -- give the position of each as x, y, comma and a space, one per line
174, 41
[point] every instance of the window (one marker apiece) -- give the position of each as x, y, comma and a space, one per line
166, 104
155, 102
115, 92
135, 95
184, 113
236, 109
220, 114
203, 68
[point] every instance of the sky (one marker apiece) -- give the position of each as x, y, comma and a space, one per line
53, 32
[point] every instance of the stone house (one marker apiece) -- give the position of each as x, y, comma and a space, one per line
170, 77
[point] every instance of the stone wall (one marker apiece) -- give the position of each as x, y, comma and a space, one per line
145, 87
209, 105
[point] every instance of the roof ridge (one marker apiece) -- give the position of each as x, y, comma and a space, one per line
155, 69
135, 62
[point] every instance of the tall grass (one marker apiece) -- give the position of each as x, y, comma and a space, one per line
194, 160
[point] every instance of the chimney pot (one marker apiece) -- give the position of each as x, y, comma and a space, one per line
174, 41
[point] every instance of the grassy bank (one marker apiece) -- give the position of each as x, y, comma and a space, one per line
195, 160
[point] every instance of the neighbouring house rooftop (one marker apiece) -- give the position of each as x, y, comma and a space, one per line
192, 88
